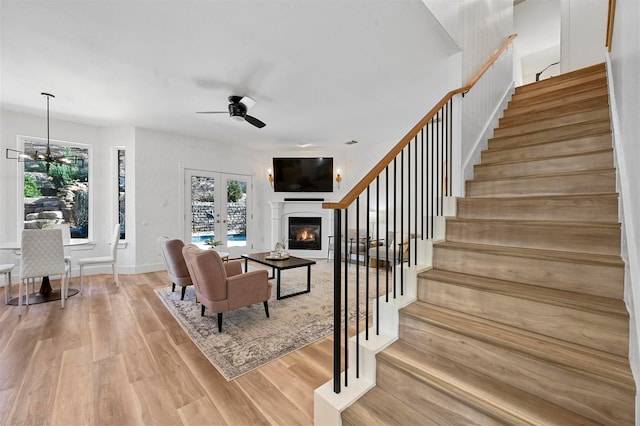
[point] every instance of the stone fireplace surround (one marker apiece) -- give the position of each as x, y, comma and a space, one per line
280, 212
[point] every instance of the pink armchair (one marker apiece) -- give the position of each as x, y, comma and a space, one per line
221, 286
176, 266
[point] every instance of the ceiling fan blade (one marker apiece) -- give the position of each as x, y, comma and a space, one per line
247, 101
212, 112
252, 120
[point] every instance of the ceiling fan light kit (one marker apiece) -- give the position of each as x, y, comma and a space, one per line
13, 154
238, 107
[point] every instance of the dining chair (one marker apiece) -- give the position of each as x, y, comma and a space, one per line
66, 240
104, 260
5, 270
41, 254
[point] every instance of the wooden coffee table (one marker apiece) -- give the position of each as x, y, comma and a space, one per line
279, 265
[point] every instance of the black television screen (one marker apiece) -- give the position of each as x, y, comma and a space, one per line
303, 174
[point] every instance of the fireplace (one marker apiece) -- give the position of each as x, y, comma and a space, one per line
305, 233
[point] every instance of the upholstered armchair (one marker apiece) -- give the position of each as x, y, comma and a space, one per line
221, 286
357, 244
174, 261
393, 249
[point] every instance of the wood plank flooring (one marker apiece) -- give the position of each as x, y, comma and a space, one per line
116, 356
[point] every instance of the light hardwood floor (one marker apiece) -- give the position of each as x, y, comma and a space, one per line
116, 356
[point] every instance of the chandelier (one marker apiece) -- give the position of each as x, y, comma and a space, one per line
46, 157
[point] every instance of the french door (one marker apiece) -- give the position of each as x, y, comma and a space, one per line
218, 211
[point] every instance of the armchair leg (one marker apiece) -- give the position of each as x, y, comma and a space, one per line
173, 287
202, 311
219, 323
266, 307
184, 290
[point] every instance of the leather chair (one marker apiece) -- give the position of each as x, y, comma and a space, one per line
174, 261
221, 286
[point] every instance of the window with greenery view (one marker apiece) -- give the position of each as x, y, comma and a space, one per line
121, 193
56, 192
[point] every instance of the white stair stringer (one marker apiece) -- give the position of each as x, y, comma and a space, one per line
327, 405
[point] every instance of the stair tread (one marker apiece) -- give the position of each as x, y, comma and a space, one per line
576, 116
569, 107
556, 174
600, 127
603, 365
542, 197
563, 298
575, 257
545, 223
557, 157
378, 407
495, 398
583, 90
572, 75
547, 149
534, 143
560, 89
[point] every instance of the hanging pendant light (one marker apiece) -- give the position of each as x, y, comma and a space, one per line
47, 158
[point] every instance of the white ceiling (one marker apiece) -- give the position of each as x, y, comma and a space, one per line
322, 72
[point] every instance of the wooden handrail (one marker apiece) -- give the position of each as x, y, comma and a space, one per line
610, 19
360, 187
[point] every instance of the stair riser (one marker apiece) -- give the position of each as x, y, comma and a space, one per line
548, 150
554, 122
426, 398
551, 135
582, 209
582, 239
572, 77
598, 331
594, 279
598, 182
579, 163
569, 388
557, 90
562, 109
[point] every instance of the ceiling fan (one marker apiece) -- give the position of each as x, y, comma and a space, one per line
238, 107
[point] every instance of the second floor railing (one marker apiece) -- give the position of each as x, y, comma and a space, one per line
398, 201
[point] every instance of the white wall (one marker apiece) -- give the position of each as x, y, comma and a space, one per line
582, 33
624, 71
477, 26
537, 24
481, 109
116, 138
14, 124
159, 166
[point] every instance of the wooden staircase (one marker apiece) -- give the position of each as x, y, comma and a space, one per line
522, 318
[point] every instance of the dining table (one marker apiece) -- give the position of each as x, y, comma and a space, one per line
46, 293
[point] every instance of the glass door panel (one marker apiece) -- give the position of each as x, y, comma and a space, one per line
217, 211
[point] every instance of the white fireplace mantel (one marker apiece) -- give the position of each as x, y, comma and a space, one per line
280, 212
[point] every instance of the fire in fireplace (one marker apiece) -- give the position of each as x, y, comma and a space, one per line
305, 233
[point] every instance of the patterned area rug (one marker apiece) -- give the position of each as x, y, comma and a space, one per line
249, 339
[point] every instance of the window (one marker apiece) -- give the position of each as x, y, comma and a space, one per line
121, 193
56, 192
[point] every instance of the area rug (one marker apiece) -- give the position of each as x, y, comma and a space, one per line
249, 339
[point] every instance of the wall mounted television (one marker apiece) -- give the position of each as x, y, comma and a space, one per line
303, 174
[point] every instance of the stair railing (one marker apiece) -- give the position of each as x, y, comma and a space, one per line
416, 177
